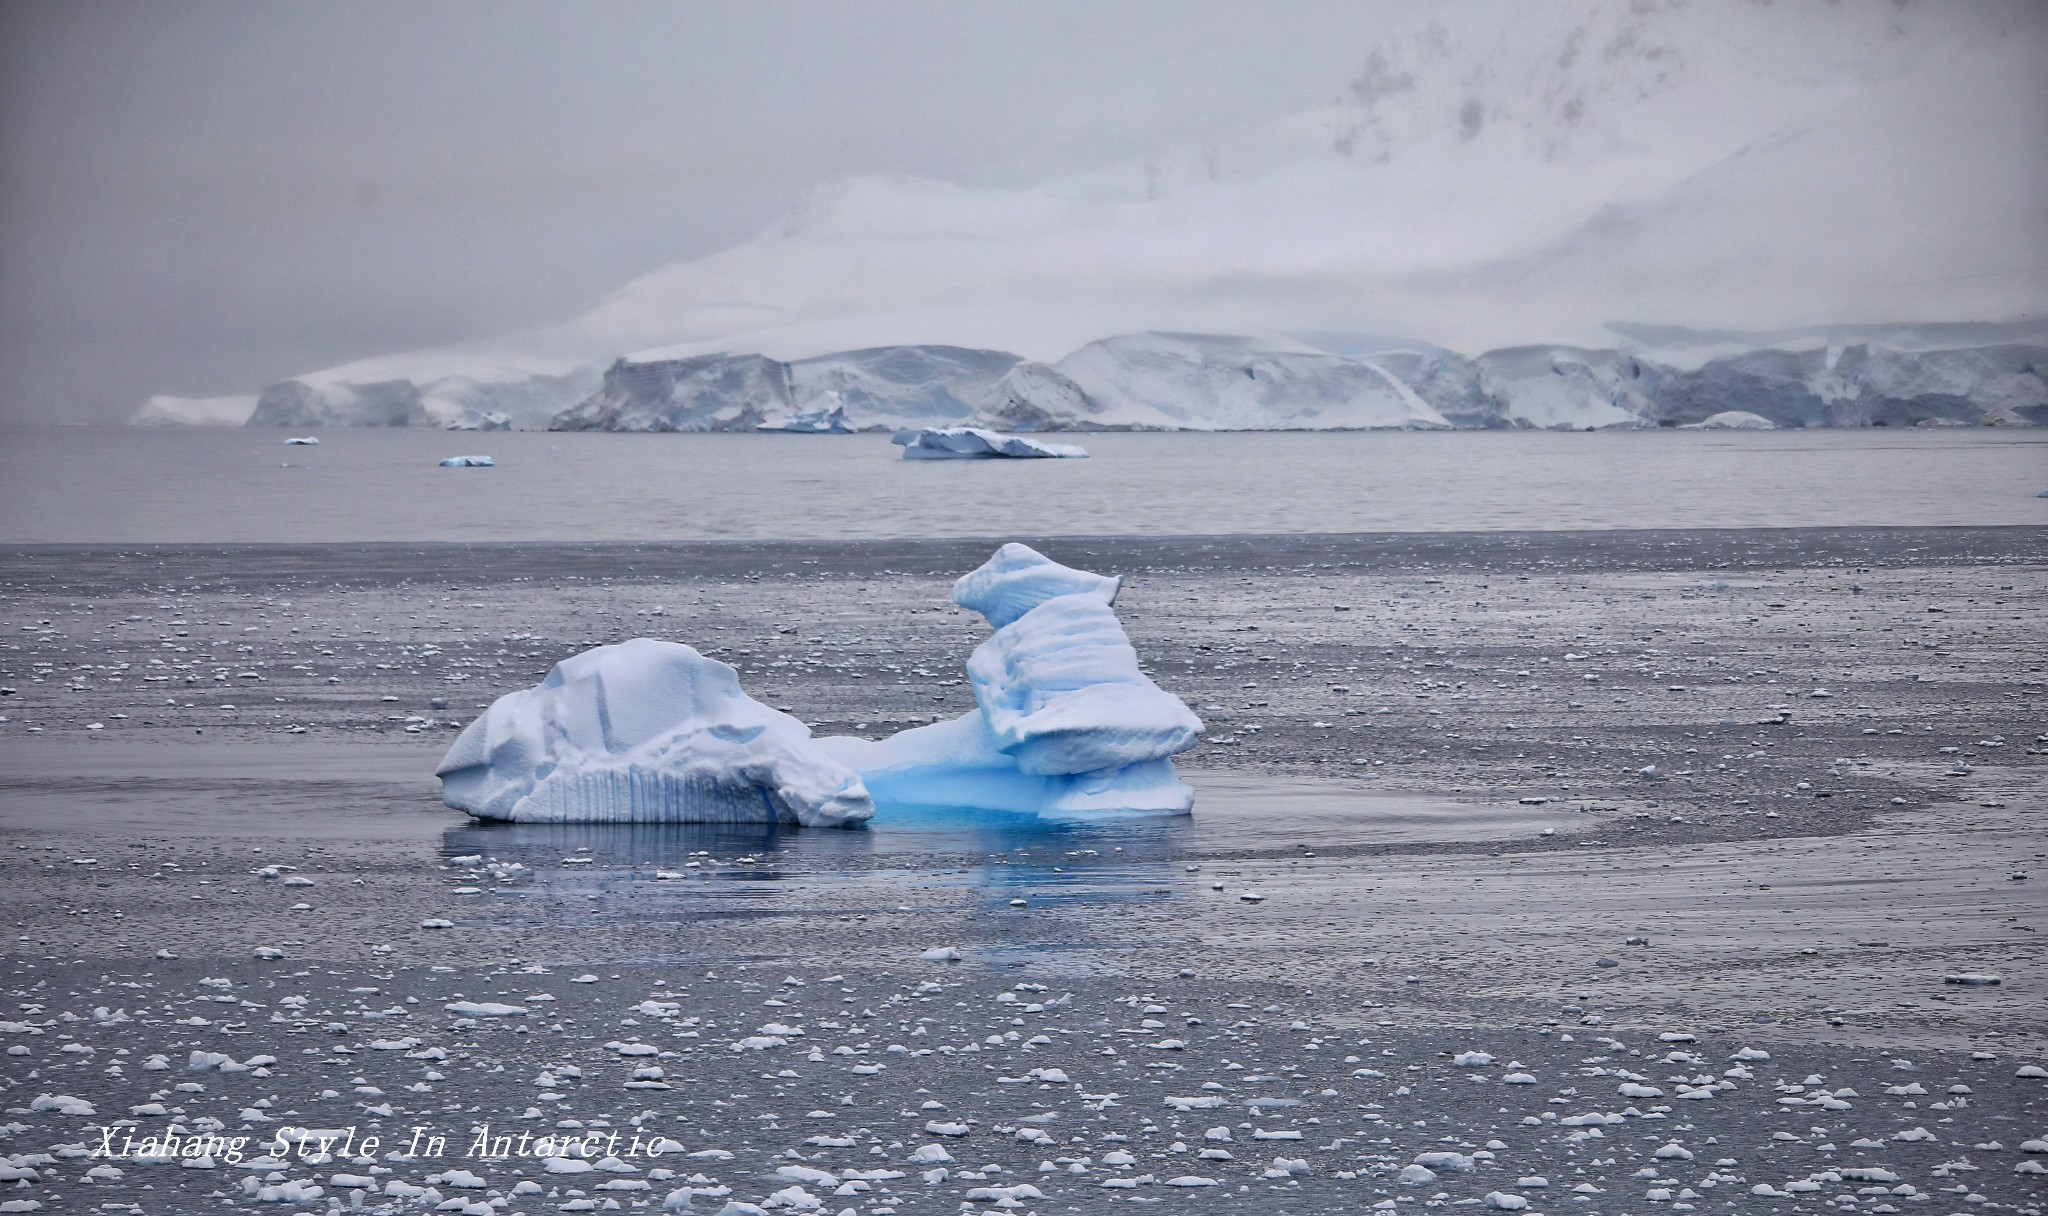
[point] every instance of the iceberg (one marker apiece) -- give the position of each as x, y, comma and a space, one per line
973, 443
469, 462
646, 731
1066, 724
303, 441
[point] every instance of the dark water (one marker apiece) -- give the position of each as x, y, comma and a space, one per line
125, 485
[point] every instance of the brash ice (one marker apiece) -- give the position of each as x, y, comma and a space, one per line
1065, 725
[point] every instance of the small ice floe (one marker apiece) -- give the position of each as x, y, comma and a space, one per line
940, 954
61, 1104
973, 443
1471, 1059
1971, 980
484, 1009
469, 462
303, 441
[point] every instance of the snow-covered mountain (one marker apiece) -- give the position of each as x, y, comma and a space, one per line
1499, 177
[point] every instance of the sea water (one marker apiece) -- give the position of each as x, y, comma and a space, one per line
125, 485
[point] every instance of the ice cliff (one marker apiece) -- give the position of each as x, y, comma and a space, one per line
1066, 723
1891, 375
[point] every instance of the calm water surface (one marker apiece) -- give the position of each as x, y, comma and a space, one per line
123, 485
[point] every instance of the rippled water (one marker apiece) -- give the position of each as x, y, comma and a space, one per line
69, 484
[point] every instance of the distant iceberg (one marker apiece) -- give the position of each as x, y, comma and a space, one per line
469, 462
973, 443
1066, 724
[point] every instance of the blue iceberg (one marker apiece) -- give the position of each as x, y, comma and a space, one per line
1066, 725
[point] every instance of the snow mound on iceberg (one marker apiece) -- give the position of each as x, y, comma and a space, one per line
973, 443
646, 731
1067, 722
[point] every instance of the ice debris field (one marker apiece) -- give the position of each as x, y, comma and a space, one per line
1065, 724
276, 1086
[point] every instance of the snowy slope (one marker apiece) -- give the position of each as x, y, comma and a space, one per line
194, 411
1502, 175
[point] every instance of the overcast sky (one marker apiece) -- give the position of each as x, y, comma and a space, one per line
199, 198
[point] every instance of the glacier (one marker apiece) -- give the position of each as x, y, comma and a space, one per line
1066, 724
1508, 191
1652, 376
973, 443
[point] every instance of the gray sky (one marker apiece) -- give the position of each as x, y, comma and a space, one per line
199, 198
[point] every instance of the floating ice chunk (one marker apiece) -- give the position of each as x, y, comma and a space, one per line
646, 731
973, 443
469, 462
484, 1009
303, 441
